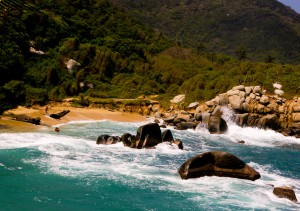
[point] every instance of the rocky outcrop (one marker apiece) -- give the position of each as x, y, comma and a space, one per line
254, 108
251, 106
148, 136
217, 163
285, 192
60, 114
210, 119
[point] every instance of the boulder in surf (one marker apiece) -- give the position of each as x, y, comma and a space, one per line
217, 163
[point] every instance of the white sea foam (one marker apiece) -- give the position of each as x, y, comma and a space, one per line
71, 156
259, 137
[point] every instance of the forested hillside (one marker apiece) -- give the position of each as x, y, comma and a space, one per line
116, 56
263, 29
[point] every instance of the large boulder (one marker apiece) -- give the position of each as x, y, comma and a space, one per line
285, 192
223, 99
183, 116
185, 125
72, 65
217, 125
167, 136
235, 102
178, 99
128, 140
148, 135
169, 119
217, 163
269, 121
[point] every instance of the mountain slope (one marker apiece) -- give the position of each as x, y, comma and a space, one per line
262, 28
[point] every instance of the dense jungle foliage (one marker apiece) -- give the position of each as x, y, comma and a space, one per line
264, 29
118, 57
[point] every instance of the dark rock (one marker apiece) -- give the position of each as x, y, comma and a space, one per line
269, 121
60, 114
169, 119
163, 126
288, 132
253, 120
107, 139
102, 139
167, 136
217, 163
198, 117
240, 141
178, 143
176, 121
285, 192
128, 140
113, 140
24, 118
185, 126
148, 135
156, 121
242, 119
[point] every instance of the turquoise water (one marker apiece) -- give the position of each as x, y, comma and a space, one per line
45, 170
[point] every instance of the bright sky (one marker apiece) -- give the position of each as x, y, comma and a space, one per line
294, 4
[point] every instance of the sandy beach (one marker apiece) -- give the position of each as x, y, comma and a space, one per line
7, 124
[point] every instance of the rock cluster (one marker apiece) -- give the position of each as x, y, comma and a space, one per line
251, 106
147, 136
210, 119
254, 108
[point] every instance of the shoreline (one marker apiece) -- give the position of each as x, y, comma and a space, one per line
7, 124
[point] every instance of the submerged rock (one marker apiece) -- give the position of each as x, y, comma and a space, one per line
217, 163
285, 192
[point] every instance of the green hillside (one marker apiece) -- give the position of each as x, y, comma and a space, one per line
264, 29
119, 57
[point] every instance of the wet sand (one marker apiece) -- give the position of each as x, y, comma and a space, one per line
75, 114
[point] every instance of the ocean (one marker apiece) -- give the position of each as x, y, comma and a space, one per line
45, 170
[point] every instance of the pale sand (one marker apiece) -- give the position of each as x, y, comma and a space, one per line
75, 114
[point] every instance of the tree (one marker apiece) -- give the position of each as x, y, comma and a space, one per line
241, 54
270, 59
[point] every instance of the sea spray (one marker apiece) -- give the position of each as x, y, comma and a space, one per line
68, 170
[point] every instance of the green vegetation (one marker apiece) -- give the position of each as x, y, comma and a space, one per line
264, 29
118, 58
